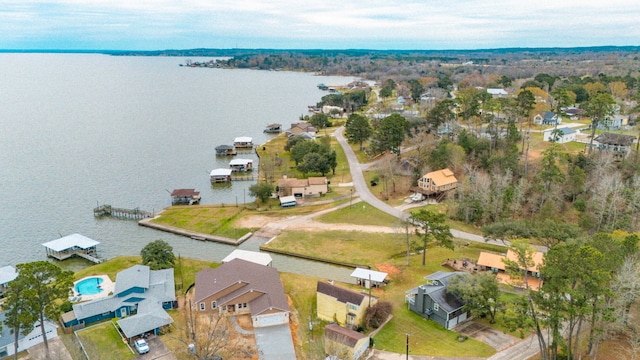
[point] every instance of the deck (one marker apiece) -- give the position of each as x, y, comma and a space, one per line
134, 214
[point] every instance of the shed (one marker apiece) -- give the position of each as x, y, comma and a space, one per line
288, 201
253, 256
220, 175
72, 245
368, 278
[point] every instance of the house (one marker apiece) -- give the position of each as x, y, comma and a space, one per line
344, 343
559, 135
433, 301
273, 128
547, 118
302, 128
243, 287
243, 142
185, 196
614, 122
253, 256
495, 263
140, 299
7, 346
241, 165
346, 307
225, 150
497, 93
574, 113
311, 187
369, 278
620, 145
7, 274
437, 181
220, 175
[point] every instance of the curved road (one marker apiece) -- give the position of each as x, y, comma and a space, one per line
365, 194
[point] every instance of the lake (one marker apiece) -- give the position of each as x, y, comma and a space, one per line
80, 130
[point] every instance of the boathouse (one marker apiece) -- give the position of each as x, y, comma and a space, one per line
243, 142
185, 197
273, 128
241, 165
220, 175
225, 150
74, 245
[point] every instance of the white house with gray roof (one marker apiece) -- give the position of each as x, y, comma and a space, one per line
140, 299
7, 346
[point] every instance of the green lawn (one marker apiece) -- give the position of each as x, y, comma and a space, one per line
210, 220
103, 341
360, 213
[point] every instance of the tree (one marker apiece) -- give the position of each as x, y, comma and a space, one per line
357, 129
599, 107
320, 120
17, 315
390, 133
377, 314
431, 226
480, 294
158, 255
416, 89
45, 286
261, 190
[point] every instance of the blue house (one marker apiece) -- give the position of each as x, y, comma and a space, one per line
433, 301
140, 299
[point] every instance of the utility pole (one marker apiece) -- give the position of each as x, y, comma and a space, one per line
407, 346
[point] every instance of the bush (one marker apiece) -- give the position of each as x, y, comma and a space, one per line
377, 314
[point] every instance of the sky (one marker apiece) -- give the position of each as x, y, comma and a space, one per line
312, 24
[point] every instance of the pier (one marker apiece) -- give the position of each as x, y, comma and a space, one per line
133, 214
74, 245
245, 178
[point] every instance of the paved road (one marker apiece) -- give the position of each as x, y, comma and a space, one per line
365, 194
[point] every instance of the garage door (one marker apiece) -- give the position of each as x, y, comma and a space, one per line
271, 319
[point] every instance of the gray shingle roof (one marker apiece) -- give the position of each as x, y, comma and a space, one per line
254, 277
150, 316
135, 276
341, 294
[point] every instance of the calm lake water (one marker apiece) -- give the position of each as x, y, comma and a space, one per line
78, 130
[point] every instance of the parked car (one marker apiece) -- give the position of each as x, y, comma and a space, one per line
141, 346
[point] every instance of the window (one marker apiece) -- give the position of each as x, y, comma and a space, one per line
353, 307
202, 306
436, 307
214, 304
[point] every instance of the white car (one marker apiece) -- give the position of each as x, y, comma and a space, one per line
141, 346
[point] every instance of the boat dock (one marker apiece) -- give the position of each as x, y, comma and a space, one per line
245, 178
134, 214
74, 245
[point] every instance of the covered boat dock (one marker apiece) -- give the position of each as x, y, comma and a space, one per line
72, 246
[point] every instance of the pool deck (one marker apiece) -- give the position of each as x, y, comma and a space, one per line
107, 288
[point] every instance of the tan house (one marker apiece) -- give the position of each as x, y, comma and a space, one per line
243, 287
437, 182
341, 305
344, 343
311, 187
495, 263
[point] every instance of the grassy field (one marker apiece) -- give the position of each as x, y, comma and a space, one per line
360, 213
103, 341
205, 219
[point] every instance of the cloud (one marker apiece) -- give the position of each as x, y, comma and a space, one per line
313, 24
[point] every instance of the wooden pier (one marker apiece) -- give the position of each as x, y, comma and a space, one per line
244, 178
134, 214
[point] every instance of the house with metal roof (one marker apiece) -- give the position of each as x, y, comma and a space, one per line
7, 274
7, 346
139, 299
243, 287
344, 306
433, 301
559, 135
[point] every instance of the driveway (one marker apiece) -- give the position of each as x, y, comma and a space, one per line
157, 350
492, 337
275, 342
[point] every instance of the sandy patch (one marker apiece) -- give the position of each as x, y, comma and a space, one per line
388, 268
254, 221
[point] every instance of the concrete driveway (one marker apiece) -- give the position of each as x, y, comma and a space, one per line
492, 337
275, 342
157, 350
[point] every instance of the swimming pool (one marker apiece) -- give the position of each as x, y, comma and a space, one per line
89, 286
